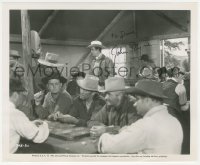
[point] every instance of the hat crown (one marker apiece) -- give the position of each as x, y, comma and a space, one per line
14, 53
51, 57
51, 60
114, 84
150, 87
90, 83
96, 43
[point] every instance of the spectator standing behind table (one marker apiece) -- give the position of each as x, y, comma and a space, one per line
176, 93
72, 86
20, 125
177, 102
102, 66
118, 110
162, 72
56, 100
157, 132
87, 104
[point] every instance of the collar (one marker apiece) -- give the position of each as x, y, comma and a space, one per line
99, 56
172, 78
156, 109
12, 106
52, 99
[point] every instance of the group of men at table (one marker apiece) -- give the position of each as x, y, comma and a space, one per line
145, 124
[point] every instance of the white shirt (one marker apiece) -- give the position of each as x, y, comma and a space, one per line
20, 125
157, 132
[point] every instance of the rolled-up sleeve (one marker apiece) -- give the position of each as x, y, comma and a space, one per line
132, 139
181, 92
42, 134
29, 130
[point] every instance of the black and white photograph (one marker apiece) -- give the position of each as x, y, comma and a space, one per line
100, 81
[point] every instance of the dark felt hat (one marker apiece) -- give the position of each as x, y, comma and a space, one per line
148, 88
54, 76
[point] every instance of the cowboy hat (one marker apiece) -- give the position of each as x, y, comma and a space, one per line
89, 83
96, 44
113, 84
54, 76
51, 60
148, 88
14, 53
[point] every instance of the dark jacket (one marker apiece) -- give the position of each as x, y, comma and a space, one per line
63, 104
80, 111
106, 66
172, 101
124, 115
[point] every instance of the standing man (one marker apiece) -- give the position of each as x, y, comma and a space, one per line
177, 103
157, 132
20, 125
102, 66
118, 110
176, 93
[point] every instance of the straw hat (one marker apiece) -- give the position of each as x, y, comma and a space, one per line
14, 53
51, 60
96, 44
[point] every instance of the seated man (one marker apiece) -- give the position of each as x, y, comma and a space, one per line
118, 110
87, 104
157, 132
56, 100
20, 125
72, 87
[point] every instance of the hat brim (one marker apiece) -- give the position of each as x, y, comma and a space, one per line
46, 63
46, 79
136, 91
79, 82
96, 45
123, 89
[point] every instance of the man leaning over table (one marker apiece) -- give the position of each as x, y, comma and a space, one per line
158, 132
20, 126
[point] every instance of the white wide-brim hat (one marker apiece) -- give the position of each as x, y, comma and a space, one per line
96, 44
89, 83
14, 53
51, 60
113, 84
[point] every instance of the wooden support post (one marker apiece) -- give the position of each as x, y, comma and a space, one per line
26, 49
134, 24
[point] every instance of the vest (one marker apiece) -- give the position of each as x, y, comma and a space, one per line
169, 87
